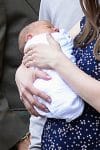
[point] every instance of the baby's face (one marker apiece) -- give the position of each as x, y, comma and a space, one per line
45, 26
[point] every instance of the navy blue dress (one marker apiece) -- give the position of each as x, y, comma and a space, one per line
82, 133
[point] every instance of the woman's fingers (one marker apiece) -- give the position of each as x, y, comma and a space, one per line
42, 74
29, 107
28, 95
28, 88
24, 79
33, 101
39, 105
29, 49
28, 101
33, 91
29, 59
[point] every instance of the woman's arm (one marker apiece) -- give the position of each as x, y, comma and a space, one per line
87, 87
45, 56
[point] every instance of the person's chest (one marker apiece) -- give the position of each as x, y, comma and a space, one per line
86, 61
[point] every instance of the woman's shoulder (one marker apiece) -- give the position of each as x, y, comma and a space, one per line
75, 30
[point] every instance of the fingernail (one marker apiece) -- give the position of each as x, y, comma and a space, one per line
49, 100
48, 77
47, 110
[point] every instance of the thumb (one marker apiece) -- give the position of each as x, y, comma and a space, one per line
41, 74
51, 40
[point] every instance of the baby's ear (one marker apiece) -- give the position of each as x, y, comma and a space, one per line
28, 37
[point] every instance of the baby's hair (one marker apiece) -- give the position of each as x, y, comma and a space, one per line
22, 36
31, 29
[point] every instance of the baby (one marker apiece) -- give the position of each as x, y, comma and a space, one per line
65, 103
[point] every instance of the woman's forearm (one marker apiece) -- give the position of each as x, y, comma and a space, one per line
85, 86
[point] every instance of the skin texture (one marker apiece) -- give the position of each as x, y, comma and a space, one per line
27, 90
34, 28
45, 56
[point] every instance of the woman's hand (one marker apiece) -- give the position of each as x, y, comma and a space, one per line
24, 79
42, 55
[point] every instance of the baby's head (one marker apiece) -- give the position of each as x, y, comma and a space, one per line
33, 29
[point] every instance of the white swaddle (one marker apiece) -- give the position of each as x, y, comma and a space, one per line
65, 103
